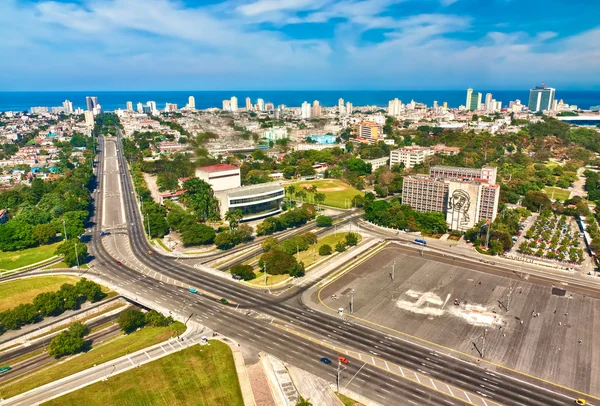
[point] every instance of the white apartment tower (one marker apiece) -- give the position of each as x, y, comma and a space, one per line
233, 104
349, 108
395, 107
306, 110
261, 104
68, 106
129, 106
341, 108
192, 102
248, 104
316, 109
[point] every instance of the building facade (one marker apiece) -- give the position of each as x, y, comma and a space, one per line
370, 131
473, 100
378, 162
220, 176
541, 98
465, 195
410, 156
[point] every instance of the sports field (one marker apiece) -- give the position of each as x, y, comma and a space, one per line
199, 375
337, 193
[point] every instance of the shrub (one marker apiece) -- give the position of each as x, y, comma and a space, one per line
69, 342
130, 320
269, 243
325, 249
324, 221
340, 246
156, 319
243, 271
351, 239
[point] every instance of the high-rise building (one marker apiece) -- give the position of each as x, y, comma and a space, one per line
341, 108
269, 106
395, 107
227, 105
170, 107
465, 195
370, 131
541, 98
498, 105
67, 106
473, 100
349, 108
91, 102
140, 108
89, 118
233, 103
306, 110
445, 105
191, 102
152, 105
129, 106
248, 104
38, 110
490, 103
261, 104
435, 104
410, 156
316, 109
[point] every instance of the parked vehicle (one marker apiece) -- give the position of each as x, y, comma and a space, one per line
420, 241
103, 233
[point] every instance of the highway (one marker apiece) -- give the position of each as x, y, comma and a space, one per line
252, 327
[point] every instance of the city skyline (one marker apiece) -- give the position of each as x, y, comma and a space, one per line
297, 44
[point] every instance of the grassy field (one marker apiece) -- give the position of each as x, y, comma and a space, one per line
10, 260
113, 349
337, 193
347, 401
195, 376
20, 291
309, 257
271, 279
560, 194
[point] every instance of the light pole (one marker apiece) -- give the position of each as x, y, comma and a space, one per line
76, 255
393, 270
65, 230
352, 301
265, 274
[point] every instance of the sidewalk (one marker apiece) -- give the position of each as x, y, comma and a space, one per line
242, 372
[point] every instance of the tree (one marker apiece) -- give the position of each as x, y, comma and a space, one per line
197, 234
358, 201
340, 246
68, 249
319, 198
278, 262
130, 320
224, 240
325, 249
351, 239
534, 201
324, 221
156, 319
233, 217
199, 197
269, 243
44, 233
303, 402
245, 272
69, 342
301, 194
91, 290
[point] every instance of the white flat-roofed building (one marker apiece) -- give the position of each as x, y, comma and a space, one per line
220, 176
378, 162
410, 156
255, 201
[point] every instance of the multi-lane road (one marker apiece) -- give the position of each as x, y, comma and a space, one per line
283, 326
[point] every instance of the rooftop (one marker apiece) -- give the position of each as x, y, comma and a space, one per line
218, 168
255, 190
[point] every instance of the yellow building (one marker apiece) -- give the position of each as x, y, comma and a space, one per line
370, 131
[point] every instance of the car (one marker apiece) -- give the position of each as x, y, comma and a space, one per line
581, 401
149, 252
103, 233
223, 301
343, 360
456, 302
119, 262
7, 368
236, 277
326, 361
192, 290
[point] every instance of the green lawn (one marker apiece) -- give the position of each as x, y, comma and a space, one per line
271, 279
14, 293
347, 401
122, 345
199, 375
309, 257
560, 194
337, 193
10, 260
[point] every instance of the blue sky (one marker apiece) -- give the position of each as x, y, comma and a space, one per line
298, 44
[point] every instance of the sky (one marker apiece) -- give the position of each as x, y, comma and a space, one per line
298, 44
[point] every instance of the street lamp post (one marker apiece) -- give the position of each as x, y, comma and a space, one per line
65, 230
76, 255
352, 301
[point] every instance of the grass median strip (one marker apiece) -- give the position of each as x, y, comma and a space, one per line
10, 260
113, 349
16, 292
199, 375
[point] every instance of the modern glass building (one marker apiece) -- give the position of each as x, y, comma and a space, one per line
255, 201
541, 98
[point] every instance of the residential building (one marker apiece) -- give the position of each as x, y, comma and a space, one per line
170, 107
191, 103
378, 162
473, 100
220, 176
68, 106
445, 105
349, 108
341, 108
140, 108
248, 104
275, 133
410, 156
541, 98
316, 109
269, 106
261, 104
129, 106
152, 105
91, 102
370, 131
227, 105
516, 106
323, 139
233, 104
89, 118
395, 107
306, 110
38, 110
466, 196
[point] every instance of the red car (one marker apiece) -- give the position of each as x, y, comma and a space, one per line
343, 360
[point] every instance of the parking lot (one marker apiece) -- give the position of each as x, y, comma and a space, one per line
529, 327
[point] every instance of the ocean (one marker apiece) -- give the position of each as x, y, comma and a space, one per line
23, 101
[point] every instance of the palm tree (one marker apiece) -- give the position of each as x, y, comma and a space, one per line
301, 194
313, 189
234, 217
303, 402
319, 198
291, 189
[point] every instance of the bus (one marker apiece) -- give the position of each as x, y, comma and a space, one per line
420, 241
5, 369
